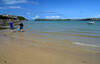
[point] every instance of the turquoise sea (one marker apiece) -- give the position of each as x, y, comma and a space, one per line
79, 32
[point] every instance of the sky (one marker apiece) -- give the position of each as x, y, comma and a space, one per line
31, 9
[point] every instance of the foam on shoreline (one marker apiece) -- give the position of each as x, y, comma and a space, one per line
83, 44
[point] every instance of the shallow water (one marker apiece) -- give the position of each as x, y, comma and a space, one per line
79, 32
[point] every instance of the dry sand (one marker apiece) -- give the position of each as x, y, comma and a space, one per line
22, 51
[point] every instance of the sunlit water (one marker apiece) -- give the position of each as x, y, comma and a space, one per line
79, 32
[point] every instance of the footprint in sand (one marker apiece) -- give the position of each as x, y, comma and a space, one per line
3, 61
84, 62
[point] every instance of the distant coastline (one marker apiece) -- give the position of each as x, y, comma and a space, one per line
87, 19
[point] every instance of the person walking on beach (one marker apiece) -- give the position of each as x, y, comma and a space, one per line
21, 26
11, 25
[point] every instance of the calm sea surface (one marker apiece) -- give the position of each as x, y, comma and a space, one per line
79, 32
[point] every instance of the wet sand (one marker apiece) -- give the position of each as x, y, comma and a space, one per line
20, 50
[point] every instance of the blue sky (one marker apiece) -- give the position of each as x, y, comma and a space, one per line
51, 8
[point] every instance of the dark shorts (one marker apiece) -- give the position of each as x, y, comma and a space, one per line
11, 26
21, 27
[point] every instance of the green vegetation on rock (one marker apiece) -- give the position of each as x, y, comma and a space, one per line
21, 18
87, 19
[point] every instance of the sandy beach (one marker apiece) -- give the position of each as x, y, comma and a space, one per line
19, 49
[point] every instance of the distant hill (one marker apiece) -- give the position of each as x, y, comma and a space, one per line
87, 19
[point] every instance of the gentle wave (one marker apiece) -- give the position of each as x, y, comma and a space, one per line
83, 44
65, 34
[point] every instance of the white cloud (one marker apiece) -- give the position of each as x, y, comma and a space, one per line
13, 1
28, 13
52, 17
11, 7
36, 17
17, 1
97, 16
18, 7
57, 16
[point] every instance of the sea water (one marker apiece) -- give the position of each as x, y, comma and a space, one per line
79, 32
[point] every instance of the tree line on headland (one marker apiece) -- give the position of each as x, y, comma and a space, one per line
87, 19
12, 17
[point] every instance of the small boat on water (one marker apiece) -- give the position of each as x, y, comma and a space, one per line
91, 22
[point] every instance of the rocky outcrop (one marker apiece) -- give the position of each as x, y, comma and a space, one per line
5, 19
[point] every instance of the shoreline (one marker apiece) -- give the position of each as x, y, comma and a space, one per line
18, 48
